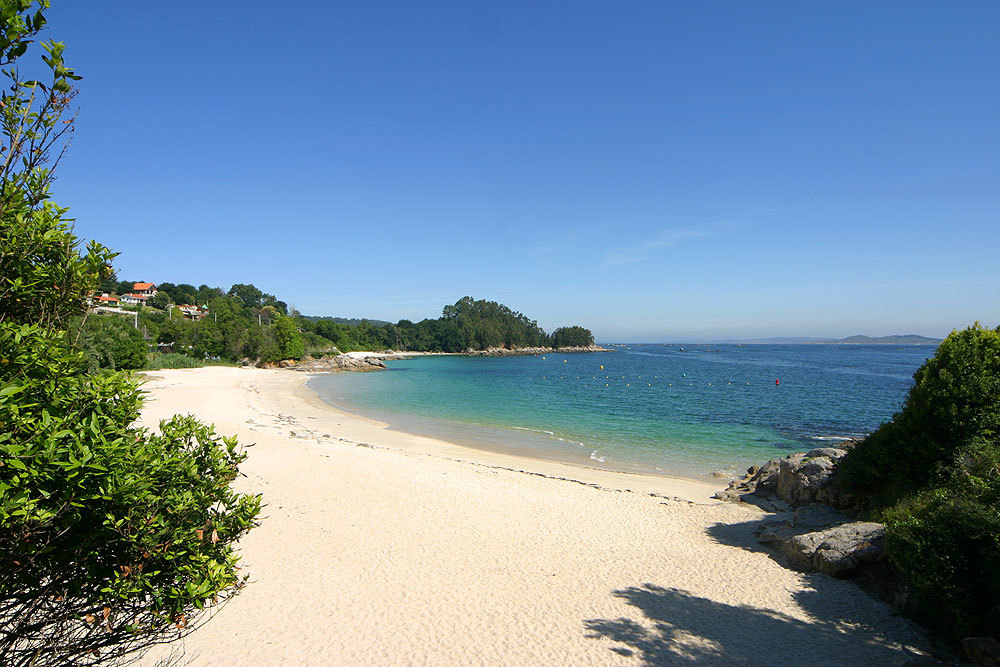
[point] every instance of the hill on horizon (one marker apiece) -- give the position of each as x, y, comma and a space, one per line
896, 339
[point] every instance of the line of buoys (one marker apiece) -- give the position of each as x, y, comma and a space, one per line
777, 381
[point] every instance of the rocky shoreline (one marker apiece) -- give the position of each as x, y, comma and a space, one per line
813, 523
362, 362
813, 526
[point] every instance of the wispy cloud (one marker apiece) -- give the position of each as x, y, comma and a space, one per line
645, 249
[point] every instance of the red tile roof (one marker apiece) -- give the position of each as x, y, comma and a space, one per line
142, 286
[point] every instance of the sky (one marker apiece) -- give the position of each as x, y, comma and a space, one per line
653, 171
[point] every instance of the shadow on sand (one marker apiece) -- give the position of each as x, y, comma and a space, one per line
678, 627
681, 628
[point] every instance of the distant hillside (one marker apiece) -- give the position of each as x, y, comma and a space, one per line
782, 340
905, 339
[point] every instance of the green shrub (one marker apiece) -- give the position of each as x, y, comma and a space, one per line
161, 360
111, 537
287, 337
166, 360
932, 474
109, 342
955, 398
947, 541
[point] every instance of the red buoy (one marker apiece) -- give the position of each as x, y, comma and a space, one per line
777, 381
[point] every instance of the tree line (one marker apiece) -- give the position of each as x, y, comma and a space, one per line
247, 323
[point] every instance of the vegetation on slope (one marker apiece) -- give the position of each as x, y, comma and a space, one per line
246, 323
933, 475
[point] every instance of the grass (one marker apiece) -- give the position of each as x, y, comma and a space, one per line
165, 360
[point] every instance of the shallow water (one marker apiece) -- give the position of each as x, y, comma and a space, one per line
688, 410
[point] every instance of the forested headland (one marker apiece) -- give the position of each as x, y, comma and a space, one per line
209, 325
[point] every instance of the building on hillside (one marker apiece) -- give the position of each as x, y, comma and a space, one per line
133, 299
105, 300
193, 312
145, 289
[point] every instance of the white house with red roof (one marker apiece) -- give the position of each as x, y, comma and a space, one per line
133, 299
105, 300
144, 289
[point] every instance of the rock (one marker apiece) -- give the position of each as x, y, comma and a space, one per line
340, 362
758, 478
840, 551
805, 477
806, 519
287, 363
983, 651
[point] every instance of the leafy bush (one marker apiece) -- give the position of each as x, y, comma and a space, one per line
166, 360
161, 360
947, 541
932, 474
111, 537
955, 398
109, 342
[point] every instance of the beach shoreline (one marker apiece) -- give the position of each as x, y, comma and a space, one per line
382, 547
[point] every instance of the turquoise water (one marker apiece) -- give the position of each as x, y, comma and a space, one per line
685, 410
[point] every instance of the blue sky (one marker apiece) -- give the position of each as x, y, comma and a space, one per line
654, 171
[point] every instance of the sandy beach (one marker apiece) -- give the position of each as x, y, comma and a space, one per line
378, 547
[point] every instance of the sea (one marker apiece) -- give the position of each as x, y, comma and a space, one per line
697, 411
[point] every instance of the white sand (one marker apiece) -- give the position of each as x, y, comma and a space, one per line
415, 551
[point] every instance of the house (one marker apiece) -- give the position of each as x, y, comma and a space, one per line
193, 312
145, 289
133, 299
105, 300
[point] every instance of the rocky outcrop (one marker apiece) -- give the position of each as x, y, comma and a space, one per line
817, 535
820, 539
798, 479
340, 362
807, 478
983, 651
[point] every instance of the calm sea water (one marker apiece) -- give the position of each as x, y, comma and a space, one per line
688, 410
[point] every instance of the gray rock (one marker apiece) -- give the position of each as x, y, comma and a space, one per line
805, 519
840, 551
340, 362
983, 651
806, 477
762, 478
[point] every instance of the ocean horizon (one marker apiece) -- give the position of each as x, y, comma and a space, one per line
689, 410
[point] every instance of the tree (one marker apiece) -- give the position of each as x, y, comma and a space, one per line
248, 295
111, 537
110, 342
159, 300
288, 338
572, 337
